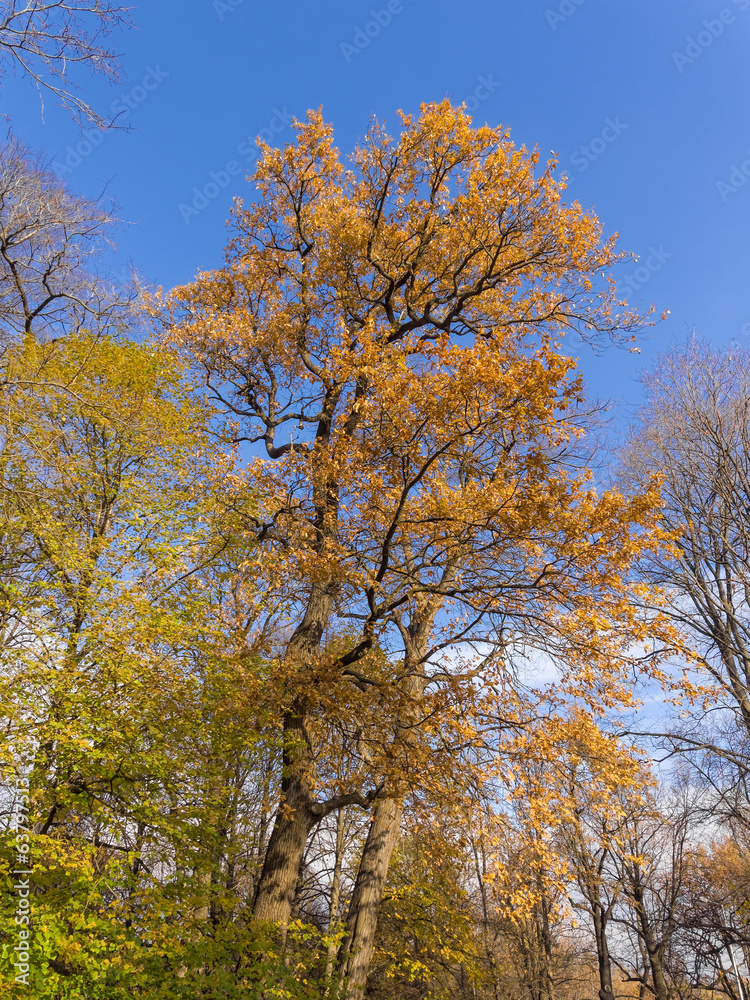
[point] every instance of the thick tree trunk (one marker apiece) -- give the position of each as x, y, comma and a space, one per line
661, 990
295, 816
294, 821
357, 949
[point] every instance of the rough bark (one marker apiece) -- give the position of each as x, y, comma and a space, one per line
357, 949
297, 813
294, 821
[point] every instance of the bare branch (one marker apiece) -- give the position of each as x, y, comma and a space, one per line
44, 40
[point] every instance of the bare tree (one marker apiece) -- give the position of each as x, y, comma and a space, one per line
588, 839
44, 40
50, 245
651, 865
694, 431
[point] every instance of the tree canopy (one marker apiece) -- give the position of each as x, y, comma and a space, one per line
319, 629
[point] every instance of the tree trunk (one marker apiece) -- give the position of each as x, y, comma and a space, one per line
294, 821
654, 949
602, 953
333, 910
661, 990
295, 817
357, 949
356, 952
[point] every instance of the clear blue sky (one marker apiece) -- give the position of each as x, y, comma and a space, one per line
645, 102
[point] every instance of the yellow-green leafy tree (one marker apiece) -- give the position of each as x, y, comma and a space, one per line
128, 683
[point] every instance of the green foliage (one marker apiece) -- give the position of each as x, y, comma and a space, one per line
426, 942
88, 944
127, 683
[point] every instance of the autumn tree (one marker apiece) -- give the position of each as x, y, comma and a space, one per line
84, 543
426, 939
51, 244
526, 943
113, 548
602, 790
125, 649
386, 333
713, 917
588, 839
127, 622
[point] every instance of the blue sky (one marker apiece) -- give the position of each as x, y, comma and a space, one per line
644, 102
